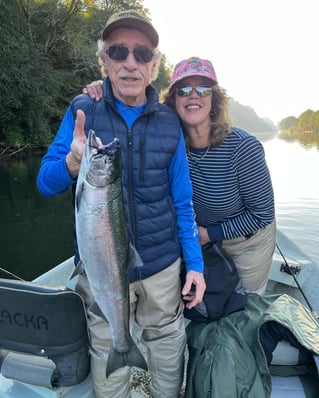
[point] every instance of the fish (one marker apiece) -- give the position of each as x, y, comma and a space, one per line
104, 248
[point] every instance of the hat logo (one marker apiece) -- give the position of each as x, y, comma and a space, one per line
130, 14
194, 60
195, 64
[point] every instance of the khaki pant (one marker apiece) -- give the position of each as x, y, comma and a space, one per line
253, 257
156, 312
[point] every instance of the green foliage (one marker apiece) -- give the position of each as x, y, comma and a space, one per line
307, 122
164, 75
47, 55
287, 123
304, 129
35, 91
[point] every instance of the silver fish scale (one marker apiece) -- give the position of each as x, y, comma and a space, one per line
104, 247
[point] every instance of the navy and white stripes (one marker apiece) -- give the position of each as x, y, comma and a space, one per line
232, 190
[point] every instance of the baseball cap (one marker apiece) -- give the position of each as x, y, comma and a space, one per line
131, 19
193, 66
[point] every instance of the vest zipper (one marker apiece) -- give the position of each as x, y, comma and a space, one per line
130, 184
142, 157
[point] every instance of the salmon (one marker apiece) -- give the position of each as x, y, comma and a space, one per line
105, 251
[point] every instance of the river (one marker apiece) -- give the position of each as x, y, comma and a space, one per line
36, 232
294, 171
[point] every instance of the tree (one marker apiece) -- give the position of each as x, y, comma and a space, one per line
164, 75
316, 121
305, 121
287, 123
31, 99
47, 54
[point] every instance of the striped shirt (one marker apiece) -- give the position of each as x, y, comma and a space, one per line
232, 189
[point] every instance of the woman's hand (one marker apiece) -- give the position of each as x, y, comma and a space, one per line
203, 236
94, 90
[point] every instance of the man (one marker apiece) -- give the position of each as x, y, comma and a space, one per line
157, 199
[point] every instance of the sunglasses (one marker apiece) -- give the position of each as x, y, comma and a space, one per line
120, 53
186, 91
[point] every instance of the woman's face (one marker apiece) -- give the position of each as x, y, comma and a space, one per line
194, 109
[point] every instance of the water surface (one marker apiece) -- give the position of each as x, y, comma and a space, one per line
36, 233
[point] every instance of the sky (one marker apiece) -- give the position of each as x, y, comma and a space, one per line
265, 52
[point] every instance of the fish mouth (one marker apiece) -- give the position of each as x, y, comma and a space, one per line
98, 148
109, 149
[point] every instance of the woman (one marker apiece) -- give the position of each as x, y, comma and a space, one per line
232, 190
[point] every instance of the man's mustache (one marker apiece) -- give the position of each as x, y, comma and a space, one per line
130, 75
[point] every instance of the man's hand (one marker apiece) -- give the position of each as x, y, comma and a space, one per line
73, 158
94, 90
194, 297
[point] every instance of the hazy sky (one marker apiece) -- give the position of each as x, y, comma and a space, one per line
265, 52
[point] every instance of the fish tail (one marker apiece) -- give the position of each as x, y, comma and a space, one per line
117, 359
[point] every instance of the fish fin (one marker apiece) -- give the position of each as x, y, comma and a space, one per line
117, 360
77, 270
135, 259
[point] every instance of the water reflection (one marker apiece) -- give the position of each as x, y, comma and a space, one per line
293, 171
306, 140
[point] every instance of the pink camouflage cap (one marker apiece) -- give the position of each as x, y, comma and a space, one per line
193, 66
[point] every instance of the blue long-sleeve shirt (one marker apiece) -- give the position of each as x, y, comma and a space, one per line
54, 179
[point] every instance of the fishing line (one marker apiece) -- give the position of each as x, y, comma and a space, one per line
297, 283
11, 274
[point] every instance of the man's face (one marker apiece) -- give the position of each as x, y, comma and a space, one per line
129, 77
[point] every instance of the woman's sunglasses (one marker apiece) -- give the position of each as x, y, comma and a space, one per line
120, 53
186, 91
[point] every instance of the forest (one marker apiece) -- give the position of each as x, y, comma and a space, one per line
48, 53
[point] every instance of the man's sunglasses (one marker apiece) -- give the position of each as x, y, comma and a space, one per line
186, 91
120, 53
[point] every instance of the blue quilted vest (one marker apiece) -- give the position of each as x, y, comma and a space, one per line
146, 151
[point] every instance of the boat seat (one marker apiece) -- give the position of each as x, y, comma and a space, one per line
43, 334
290, 372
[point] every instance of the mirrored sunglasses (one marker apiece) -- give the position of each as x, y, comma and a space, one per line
120, 53
186, 91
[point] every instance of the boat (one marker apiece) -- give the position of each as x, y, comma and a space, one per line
42, 342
